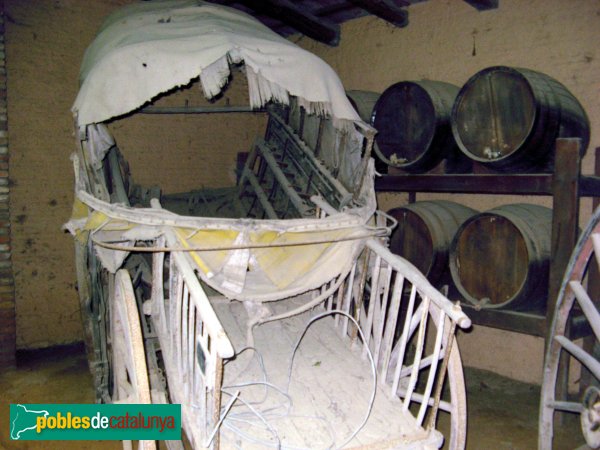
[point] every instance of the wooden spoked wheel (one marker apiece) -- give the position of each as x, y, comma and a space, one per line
130, 373
575, 299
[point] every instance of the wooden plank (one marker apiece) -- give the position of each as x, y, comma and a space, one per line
217, 401
298, 203
333, 8
531, 322
483, 5
199, 109
534, 184
589, 186
320, 173
386, 10
594, 276
527, 322
565, 214
565, 223
329, 379
260, 194
299, 18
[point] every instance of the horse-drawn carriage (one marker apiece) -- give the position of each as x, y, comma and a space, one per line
272, 311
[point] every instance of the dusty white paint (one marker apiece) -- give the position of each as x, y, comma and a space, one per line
150, 48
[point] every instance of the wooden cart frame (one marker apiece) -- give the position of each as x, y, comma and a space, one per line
152, 331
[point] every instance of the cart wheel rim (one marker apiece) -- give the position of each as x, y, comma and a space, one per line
130, 372
574, 290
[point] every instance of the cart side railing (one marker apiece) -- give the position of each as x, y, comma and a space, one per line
409, 327
193, 343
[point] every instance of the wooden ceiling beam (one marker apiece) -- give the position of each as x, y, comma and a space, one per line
333, 8
223, 2
385, 9
305, 22
482, 5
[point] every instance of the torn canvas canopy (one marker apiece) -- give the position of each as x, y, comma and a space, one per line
150, 48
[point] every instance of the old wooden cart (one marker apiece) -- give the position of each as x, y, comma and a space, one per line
288, 323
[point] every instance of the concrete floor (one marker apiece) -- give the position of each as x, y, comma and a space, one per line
502, 413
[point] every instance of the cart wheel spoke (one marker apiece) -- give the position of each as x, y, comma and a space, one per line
587, 306
573, 407
596, 243
573, 288
584, 357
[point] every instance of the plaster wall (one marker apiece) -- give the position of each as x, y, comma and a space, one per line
446, 40
45, 42
182, 152
451, 41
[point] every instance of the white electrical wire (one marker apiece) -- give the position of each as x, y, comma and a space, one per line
267, 385
261, 418
373, 366
272, 414
223, 415
261, 364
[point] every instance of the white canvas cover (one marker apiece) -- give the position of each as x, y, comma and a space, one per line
149, 48
153, 47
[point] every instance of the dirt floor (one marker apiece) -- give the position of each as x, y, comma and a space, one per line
502, 413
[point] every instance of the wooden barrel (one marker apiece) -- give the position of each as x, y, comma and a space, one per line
412, 119
500, 258
424, 233
363, 102
508, 119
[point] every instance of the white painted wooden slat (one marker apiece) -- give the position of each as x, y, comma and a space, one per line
372, 299
378, 330
433, 368
347, 299
392, 320
404, 340
414, 377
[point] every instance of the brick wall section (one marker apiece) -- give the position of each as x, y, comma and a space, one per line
7, 288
